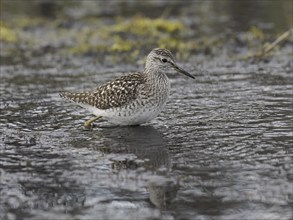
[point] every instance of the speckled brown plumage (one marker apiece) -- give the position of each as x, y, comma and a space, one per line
115, 93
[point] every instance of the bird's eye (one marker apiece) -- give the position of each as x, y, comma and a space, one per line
164, 60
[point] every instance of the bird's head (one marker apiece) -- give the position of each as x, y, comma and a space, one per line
162, 60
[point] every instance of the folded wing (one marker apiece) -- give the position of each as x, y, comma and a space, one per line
116, 93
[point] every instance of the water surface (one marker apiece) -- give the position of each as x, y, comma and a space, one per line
221, 148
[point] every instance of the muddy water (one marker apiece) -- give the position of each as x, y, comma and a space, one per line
222, 148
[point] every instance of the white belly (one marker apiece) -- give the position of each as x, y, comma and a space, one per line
136, 118
124, 116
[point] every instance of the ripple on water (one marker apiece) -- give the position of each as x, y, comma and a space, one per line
225, 139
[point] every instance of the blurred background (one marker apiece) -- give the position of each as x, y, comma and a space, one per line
221, 149
100, 28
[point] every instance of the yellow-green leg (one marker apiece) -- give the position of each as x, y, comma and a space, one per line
88, 123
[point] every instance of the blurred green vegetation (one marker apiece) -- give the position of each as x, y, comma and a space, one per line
7, 34
131, 34
65, 29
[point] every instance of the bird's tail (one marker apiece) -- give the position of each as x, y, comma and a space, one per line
78, 97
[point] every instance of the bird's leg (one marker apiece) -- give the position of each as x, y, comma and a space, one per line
88, 123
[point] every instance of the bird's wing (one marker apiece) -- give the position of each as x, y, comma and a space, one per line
113, 94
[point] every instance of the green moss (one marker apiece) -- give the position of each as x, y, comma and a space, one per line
24, 22
127, 35
173, 43
121, 45
81, 48
7, 34
168, 26
142, 26
256, 32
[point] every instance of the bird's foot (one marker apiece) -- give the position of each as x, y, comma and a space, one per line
89, 123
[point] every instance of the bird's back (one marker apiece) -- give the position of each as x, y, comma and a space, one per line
113, 94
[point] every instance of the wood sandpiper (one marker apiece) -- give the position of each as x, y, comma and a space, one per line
132, 99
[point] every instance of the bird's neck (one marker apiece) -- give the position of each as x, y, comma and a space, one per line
156, 79
154, 74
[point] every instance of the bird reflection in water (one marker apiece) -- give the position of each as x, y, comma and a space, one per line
144, 143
